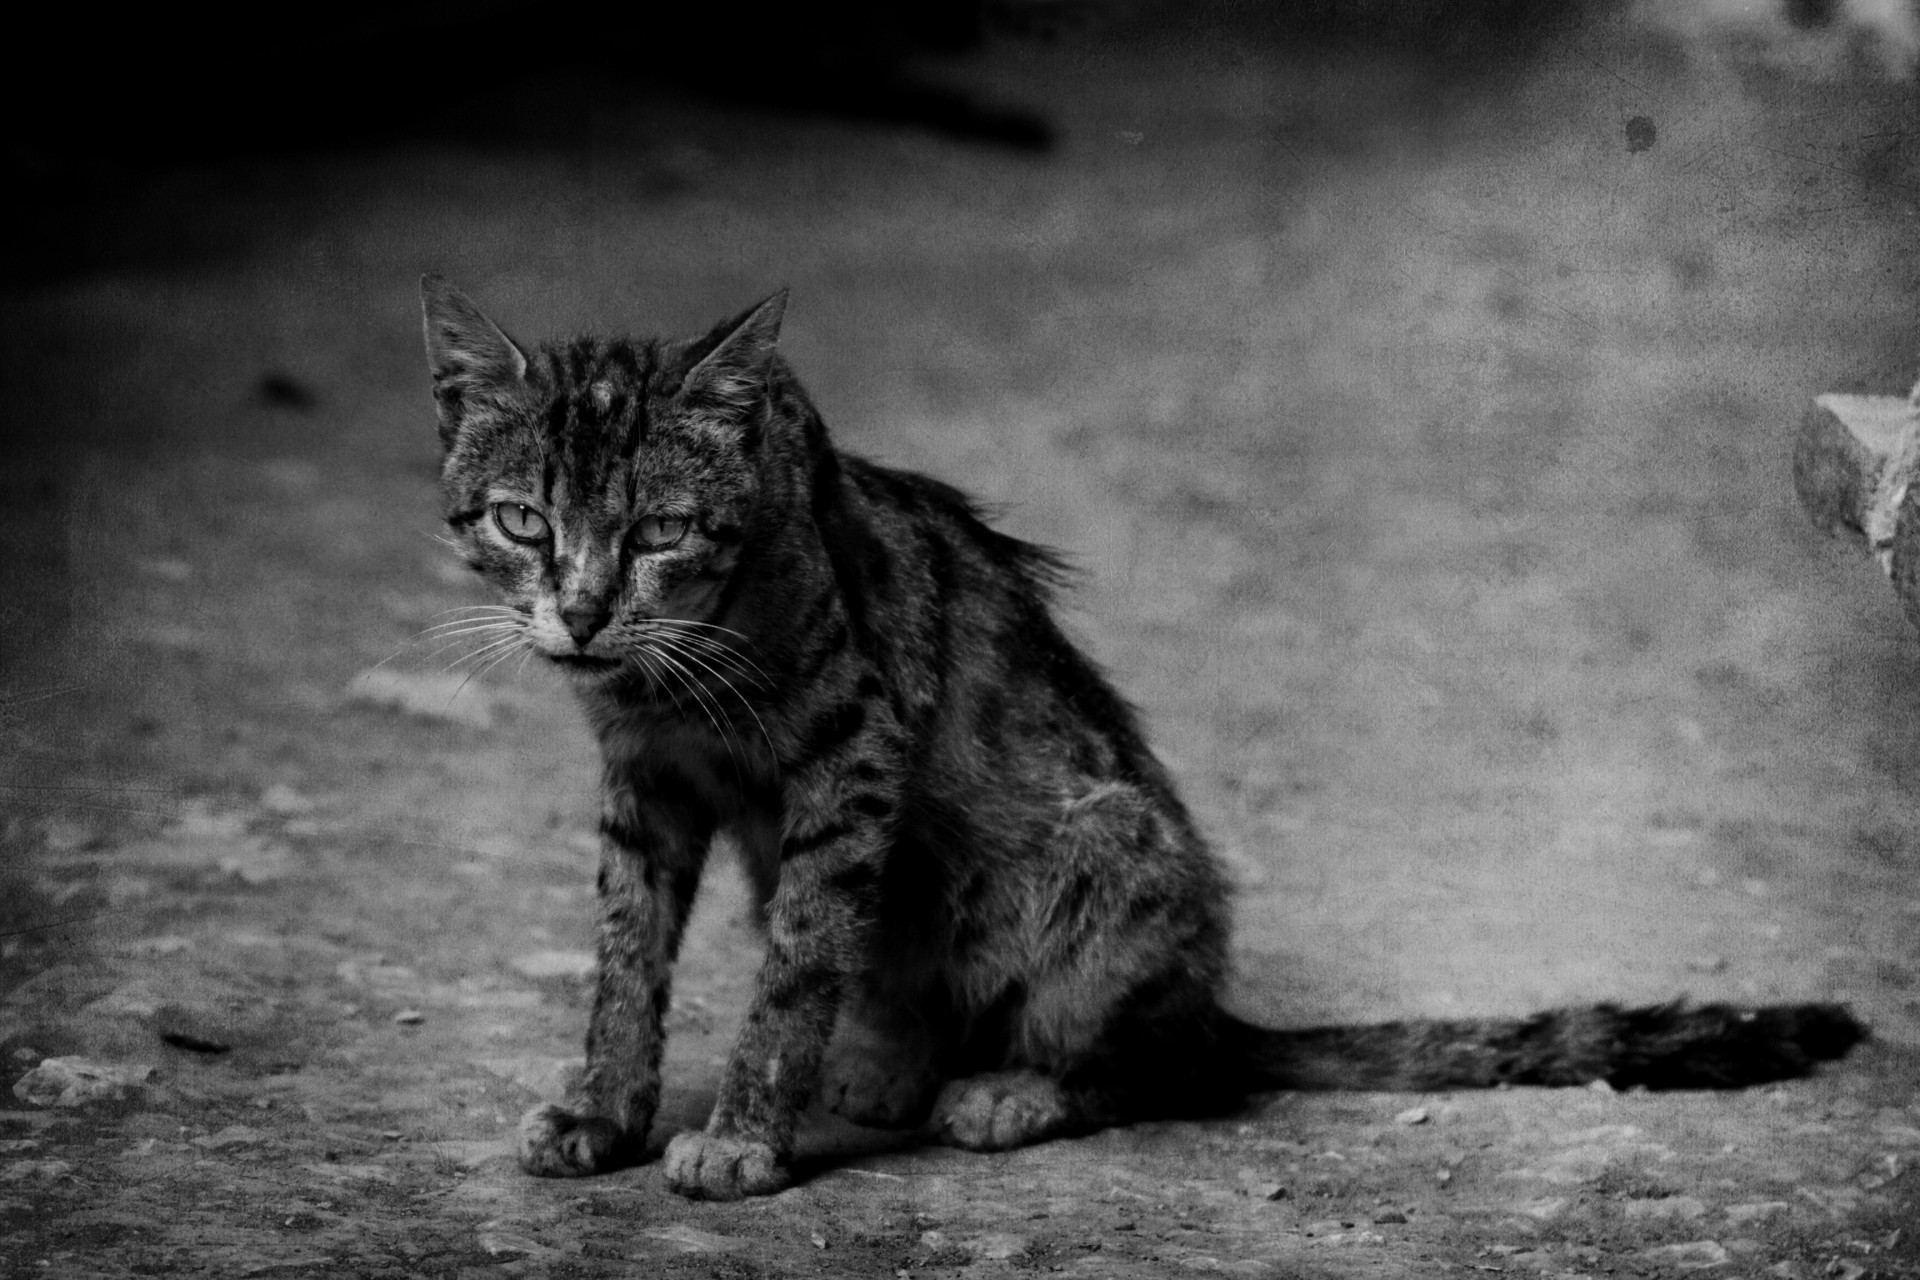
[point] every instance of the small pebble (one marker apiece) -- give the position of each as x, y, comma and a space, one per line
409, 1017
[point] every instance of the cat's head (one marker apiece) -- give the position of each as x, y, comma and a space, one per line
603, 487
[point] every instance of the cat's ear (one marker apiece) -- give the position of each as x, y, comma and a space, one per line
469, 355
730, 375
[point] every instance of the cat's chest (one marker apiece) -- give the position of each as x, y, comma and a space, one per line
726, 772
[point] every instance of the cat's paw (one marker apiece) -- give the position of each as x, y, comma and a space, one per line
998, 1111
554, 1143
702, 1166
877, 1093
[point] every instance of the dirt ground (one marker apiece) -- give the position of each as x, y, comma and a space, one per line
1423, 436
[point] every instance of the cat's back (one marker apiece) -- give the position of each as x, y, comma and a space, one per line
959, 617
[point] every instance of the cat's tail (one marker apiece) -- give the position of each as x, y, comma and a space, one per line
1663, 1046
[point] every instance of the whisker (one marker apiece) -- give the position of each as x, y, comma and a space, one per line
703, 699
715, 716
484, 618
471, 613
739, 662
656, 673
505, 644
734, 659
465, 626
456, 643
728, 684
471, 675
705, 626
476, 608
474, 615
504, 655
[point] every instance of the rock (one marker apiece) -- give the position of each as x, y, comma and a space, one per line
409, 1017
164, 945
451, 696
285, 801
200, 821
998, 1245
545, 1077
689, 1239
137, 999
76, 1081
1854, 463
201, 841
1741, 1214
165, 568
62, 986
1904, 561
64, 835
1691, 1256
234, 1135
555, 964
1412, 1116
206, 1027
1665, 1209
193, 1043
35, 1171
256, 861
505, 1244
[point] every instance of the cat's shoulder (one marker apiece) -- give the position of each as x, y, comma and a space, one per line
914, 500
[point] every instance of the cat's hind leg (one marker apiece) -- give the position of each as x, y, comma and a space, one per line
1004, 1109
1152, 1057
1125, 939
883, 1067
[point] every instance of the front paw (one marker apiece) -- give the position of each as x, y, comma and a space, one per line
701, 1166
555, 1143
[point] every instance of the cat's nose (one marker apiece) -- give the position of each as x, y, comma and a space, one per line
583, 621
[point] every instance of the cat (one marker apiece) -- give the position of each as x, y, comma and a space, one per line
965, 856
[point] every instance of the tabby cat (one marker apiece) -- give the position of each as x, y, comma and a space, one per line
966, 858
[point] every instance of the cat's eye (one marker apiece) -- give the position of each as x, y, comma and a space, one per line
521, 522
657, 533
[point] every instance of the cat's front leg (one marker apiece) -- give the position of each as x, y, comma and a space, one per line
650, 861
818, 923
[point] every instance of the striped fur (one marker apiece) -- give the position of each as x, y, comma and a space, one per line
966, 856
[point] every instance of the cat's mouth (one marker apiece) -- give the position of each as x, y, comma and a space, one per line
583, 662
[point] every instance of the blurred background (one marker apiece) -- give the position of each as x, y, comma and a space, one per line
1412, 382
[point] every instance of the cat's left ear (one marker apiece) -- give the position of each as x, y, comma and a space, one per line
731, 377
469, 355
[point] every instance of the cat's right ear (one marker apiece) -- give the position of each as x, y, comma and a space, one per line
471, 358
